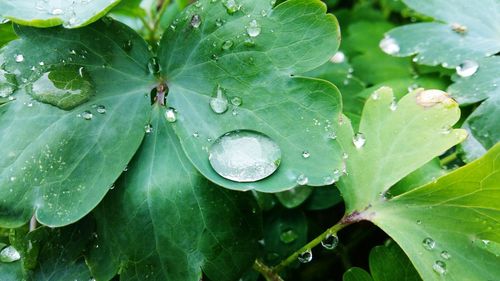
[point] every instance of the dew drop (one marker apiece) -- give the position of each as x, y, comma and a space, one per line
127, 46
445, 255
419, 222
393, 106
305, 257
429, 243
330, 242
219, 22
306, 154
87, 115
236, 101
231, 6
389, 45
245, 156
219, 102
9, 254
148, 129
19, 58
57, 11
467, 68
288, 236
253, 29
339, 57
227, 45
196, 21
101, 109
359, 140
302, 179
170, 115
153, 65
439, 267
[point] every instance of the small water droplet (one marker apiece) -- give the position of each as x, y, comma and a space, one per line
227, 45
12, 178
359, 140
393, 106
305, 257
236, 101
306, 154
170, 115
429, 243
288, 236
127, 46
153, 65
148, 129
419, 222
231, 6
9, 254
87, 115
253, 29
467, 68
101, 109
219, 22
196, 134
339, 57
330, 242
19, 58
376, 95
302, 179
445, 255
195, 21
439, 267
57, 12
245, 156
219, 102
389, 45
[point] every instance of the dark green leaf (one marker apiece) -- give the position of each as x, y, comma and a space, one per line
252, 51
59, 164
357, 274
164, 221
389, 263
294, 197
423, 175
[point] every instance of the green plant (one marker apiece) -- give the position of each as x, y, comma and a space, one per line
159, 140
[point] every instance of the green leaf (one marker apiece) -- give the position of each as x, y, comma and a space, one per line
456, 35
11, 271
389, 262
423, 175
190, 224
392, 132
323, 197
449, 228
483, 122
6, 33
47, 13
356, 274
294, 197
56, 163
252, 51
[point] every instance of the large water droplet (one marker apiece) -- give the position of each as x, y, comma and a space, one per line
305, 257
9, 254
196, 21
65, 87
429, 243
439, 267
288, 236
219, 102
253, 29
330, 242
231, 6
359, 140
467, 68
245, 156
170, 115
389, 45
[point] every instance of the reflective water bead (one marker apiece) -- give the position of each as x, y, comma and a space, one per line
231, 6
359, 140
306, 154
87, 115
170, 115
253, 29
429, 243
389, 45
330, 242
305, 257
302, 179
227, 45
219, 103
19, 58
196, 21
393, 106
57, 11
467, 68
9, 254
236, 101
339, 57
148, 129
439, 267
445, 255
245, 156
101, 109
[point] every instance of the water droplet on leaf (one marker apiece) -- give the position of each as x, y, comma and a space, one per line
231, 6
359, 140
87, 115
227, 45
236, 101
305, 257
253, 29
330, 242
467, 68
302, 179
245, 156
389, 45
19, 58
445, 255
429, 243
101, 109
219, 102
9, 254
170, 115
196, 21
439, 267
148, 129
306, 154
339, 57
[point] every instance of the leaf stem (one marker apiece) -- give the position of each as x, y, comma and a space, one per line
266, 271
448, 159
316, 241
157, 20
